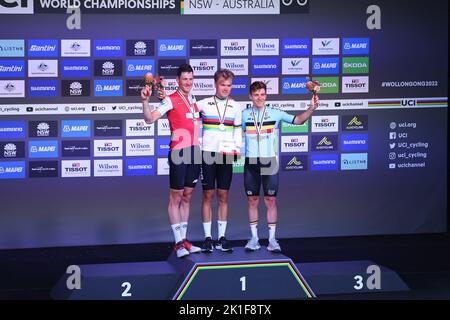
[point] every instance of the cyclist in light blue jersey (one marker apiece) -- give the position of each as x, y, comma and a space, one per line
259, 124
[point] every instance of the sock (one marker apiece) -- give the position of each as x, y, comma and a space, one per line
207, 229
222, 227
183, 229
176, 228
272, 228
254, 229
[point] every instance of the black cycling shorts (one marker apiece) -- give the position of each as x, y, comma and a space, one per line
216, 168
259, 171
184, 167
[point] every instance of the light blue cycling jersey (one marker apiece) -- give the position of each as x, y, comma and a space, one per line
252, 123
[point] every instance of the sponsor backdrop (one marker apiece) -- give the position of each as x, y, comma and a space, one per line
79, 166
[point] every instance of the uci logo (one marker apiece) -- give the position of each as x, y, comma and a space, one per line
294, 6
16, 7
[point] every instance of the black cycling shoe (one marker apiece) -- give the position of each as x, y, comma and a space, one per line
208, 245
224, 245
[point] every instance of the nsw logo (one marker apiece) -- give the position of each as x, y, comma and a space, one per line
172, 48
12, 150
140, 48
76, 88
108, 68
137, 68
43, 129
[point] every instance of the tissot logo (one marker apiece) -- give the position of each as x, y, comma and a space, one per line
42, 129
76, 148
76, 88
294, 143
140, 48
324, 123
169, 67
43, 169
12, 150
138, 127
108, 68
355, 123
106, 128
75, 168
355, 84
234, 47
203, 67
203, 48
16, 7
108, 148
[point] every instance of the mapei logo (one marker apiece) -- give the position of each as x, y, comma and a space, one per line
43, 149
12, 170
294, 85
137, 68
325, 65
75, 128
355, 46
108, 88
172, 48
16, 6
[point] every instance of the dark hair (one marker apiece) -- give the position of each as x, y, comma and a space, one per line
257, 85
223, 73
184, 68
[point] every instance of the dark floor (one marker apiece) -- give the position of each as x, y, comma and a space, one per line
422, 261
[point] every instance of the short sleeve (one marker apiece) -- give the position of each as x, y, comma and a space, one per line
165, 106
284, 116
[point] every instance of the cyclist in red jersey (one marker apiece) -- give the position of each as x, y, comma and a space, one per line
184, 156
